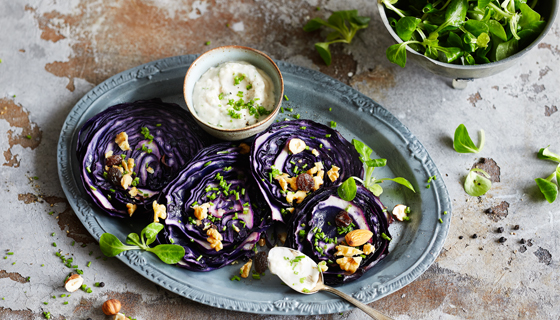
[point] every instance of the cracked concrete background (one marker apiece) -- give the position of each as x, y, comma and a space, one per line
54, 51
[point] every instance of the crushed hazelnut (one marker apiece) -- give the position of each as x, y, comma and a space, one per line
130, 164
349, 264
296, 145
119, 316
133, 192
131, 207
244, 271
150, 170
159, 211
215, 244
323, 266
319, 165
399, 211
122, 141
333, 173
312, 171
321, 174
126, 180
347, 251
108, 153
298, 196
368, 248
282, 180
215, 239
318, 182
244, 148
201, 211
315, 152
290, 209
73, 283
214, 234
293, 182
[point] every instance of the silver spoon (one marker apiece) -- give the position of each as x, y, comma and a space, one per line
321, 286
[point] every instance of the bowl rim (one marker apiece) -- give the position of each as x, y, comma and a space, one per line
247, 128
521, 53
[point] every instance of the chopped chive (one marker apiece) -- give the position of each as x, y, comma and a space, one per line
303, 128
207, 163
297, 116
236, 278
384, 236
93, 188
333, 124
445, 212
54, 244
87, 168
440, 221
207, 43
10, 253
88, 264
328, 135
199, 257
28, 137
45, 303
286, 97
158, 125
73, 243
66, 302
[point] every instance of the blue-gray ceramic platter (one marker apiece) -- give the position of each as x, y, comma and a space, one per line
415, 244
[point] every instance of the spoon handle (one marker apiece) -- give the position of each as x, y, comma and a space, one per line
365, 308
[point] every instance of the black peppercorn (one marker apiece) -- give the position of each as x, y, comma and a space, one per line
474, 236
516, 227
502, 239
500, 230
101, 284
522, 241
460, 237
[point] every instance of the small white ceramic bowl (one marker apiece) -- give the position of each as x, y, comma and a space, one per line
220, 55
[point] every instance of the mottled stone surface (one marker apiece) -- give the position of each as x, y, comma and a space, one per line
55, 51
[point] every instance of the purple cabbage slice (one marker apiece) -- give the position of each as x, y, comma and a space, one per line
313, 230
162, 138
325, 145
220, 177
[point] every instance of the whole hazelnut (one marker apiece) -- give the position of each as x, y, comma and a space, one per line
111, 307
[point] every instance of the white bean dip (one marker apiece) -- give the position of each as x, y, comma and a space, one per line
233, 95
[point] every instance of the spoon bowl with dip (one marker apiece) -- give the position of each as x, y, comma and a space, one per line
302, 274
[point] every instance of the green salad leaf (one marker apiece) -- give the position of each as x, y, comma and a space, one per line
370, 182
462, 31
548, 188
546, 154
477, 185
347, 190
344, 24
463, 143
169, 253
